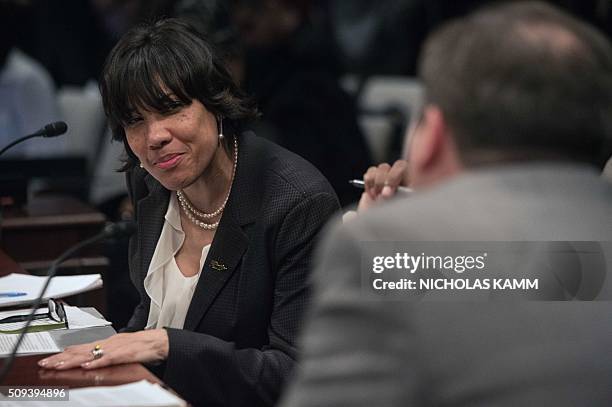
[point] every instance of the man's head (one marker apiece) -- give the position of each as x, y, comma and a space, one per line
514, 82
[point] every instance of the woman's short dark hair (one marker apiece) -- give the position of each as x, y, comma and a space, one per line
154, 65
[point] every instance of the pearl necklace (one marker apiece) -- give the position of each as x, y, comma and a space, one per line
196, 216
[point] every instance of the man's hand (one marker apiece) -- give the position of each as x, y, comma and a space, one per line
142, 347
381, 183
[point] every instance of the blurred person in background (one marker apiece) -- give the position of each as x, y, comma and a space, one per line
385, 37
290, 65
27, 93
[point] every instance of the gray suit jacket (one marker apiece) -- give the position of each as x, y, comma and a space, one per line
363, 352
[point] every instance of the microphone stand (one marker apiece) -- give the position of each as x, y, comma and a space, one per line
109, 231
19, 140
50, 130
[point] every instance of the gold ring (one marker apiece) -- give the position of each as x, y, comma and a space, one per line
97, 352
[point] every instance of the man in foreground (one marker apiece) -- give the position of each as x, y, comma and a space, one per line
516, 122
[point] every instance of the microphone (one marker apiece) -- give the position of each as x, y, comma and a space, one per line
53, 129
50, 130
111, 230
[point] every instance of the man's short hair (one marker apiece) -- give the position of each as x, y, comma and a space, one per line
525, 78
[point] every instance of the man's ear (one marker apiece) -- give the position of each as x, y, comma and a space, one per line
431, 138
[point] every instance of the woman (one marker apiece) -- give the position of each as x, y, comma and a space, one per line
226, 225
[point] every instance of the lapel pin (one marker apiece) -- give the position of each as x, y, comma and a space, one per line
217, 265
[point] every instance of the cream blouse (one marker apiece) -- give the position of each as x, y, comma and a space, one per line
169, 290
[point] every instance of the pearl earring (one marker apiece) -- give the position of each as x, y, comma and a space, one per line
140, 165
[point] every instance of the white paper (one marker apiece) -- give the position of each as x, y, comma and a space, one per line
61, 286
138, 394
78, 319
36, 342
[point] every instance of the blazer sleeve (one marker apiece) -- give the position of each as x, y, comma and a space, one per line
213, 372
136, 190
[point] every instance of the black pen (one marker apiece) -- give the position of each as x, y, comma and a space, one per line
357, 183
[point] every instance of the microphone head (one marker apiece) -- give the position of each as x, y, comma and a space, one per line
54, 129
120, 229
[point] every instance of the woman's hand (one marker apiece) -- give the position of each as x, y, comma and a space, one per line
142, 347
381, 183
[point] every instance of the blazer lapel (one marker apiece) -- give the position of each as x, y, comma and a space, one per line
230, 241
228, 246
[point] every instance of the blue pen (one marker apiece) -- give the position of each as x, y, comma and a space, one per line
12, 294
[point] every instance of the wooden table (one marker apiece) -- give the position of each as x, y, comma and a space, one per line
25, 372
8, 265
48, 225
35, 235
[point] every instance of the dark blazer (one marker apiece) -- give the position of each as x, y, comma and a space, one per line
237, 347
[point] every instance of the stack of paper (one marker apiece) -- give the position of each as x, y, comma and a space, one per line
31, 286
33, 343
77, 319
42, 342
138, 394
